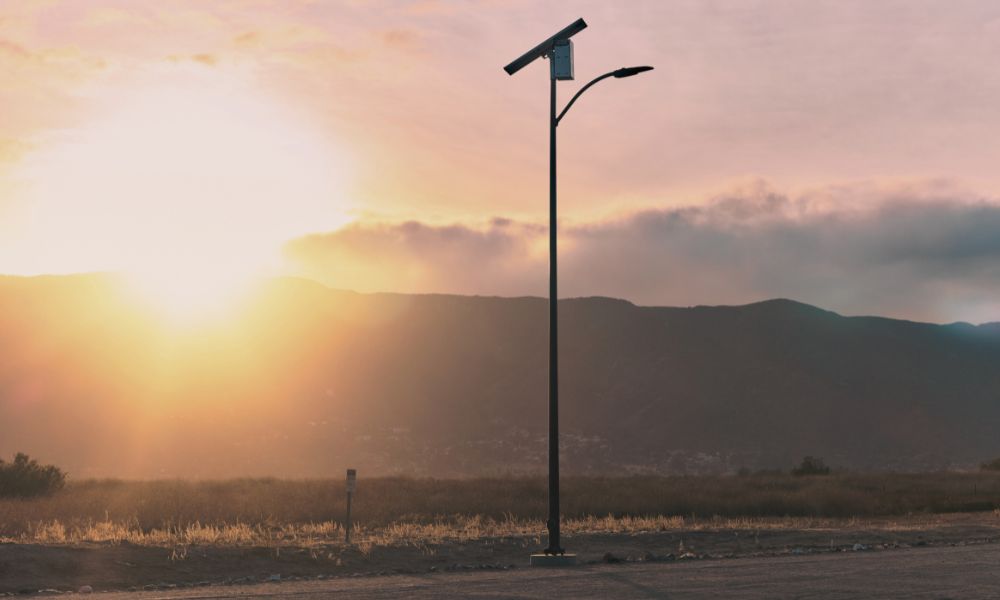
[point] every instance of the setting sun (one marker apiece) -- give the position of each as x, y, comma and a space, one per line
188, 294
189, 190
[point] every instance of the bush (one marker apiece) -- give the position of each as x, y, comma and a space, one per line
811, 466
25, 478
991, 465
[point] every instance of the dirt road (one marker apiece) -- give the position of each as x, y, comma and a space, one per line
932, 573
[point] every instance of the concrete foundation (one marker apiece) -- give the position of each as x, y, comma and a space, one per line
553, 560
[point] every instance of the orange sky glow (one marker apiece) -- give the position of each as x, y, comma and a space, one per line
842, 153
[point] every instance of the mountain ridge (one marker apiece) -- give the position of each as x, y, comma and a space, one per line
307, 380
116, 278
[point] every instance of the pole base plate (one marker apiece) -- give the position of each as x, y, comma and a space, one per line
553, 560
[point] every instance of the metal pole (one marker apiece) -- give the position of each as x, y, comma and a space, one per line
347, 526
553, 523
352, 481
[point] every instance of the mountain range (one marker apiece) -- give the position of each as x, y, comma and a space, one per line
301, 380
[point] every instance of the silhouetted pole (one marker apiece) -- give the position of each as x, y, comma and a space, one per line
553, 522
352, 479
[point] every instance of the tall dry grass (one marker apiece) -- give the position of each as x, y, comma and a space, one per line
272, 511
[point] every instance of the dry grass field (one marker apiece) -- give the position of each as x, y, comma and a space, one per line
116, 535
272, 511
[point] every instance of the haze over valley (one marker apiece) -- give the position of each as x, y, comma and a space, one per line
304, 380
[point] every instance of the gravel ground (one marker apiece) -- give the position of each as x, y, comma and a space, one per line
949, 572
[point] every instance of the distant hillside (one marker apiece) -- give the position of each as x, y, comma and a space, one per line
304, 381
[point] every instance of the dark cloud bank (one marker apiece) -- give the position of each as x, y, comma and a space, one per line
924, 253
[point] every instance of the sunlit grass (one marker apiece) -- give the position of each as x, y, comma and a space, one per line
415, 512
456, 529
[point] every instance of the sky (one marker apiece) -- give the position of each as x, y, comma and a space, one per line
839, 153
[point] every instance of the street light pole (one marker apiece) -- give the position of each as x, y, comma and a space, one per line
553, 522
554, 119
559, 50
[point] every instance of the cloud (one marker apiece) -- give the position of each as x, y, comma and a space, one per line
11, 150
925, 252
417, 257
35, 95
205, 59
249, 38
13, 49
402, 39
209, 60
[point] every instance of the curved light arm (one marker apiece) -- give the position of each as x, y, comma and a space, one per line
577, 95
619, 73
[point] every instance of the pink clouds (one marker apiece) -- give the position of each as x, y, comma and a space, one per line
925, 253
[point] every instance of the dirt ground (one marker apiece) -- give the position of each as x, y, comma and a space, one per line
925, 573
32, 568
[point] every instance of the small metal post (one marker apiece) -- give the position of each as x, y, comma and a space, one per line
352, 482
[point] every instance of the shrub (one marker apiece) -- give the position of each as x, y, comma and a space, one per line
24, 478
991, 465
811, 466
